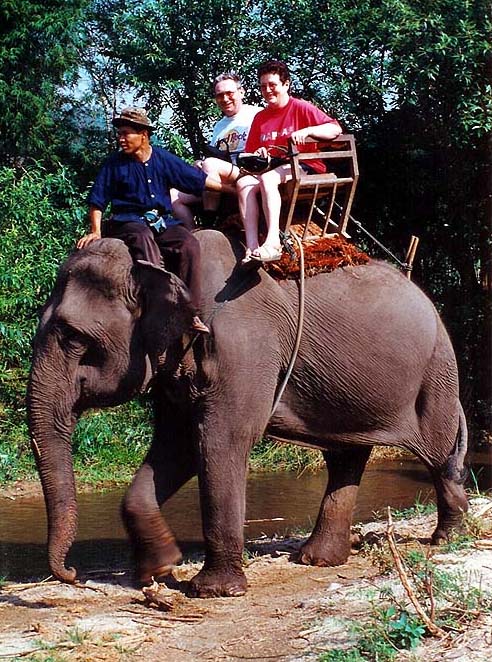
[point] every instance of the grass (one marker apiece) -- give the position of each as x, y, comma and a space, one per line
455, 599
418, 509
269, 455
108, 445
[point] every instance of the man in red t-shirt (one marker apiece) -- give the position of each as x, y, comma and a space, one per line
284, 117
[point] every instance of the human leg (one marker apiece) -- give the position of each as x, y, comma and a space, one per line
181, 254
271, 204
221, 170
183, 204
138, 237
248, 188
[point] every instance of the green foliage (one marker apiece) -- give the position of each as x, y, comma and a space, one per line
110, 444
269, 455
458, 598
41, 214
444, 76
342, 655
36, 58
389, 631
419, 508
168, 53
457, 542
15, 456
405, 631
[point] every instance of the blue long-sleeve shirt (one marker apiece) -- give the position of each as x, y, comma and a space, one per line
133, 187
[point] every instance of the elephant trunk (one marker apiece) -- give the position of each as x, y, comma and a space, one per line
50, 402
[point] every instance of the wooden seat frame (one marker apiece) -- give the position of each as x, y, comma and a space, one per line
336, 191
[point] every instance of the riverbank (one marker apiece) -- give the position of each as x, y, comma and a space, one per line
113, 470
291, 612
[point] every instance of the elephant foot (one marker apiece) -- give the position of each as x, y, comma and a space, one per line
443, 536
159, 563
448, 527
216, 584
312, 553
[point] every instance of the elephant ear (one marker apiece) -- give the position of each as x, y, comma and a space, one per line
167, 309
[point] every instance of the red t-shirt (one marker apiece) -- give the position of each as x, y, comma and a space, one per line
273, 126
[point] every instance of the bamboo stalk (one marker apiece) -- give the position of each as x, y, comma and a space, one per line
410, 256
431, 626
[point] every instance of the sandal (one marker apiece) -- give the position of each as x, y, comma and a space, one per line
198, 326
247, 256
267, 253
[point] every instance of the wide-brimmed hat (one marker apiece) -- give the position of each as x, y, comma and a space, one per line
135, 116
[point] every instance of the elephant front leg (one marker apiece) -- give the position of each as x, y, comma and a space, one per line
166, 468
329, 543
222, 491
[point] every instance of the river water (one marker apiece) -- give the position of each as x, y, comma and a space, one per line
277, 504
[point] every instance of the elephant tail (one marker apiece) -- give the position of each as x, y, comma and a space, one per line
455, 468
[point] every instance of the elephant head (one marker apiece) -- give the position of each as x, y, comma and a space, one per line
105, 317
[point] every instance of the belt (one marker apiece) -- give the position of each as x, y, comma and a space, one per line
150, 218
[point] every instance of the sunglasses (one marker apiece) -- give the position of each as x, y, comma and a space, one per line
222, 95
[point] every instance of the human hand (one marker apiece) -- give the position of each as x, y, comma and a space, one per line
262, 151
87, 239
300, 137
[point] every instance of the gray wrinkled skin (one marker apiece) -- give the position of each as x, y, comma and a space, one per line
375, 366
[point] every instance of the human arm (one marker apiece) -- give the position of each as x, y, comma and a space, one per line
322, 133
182, 176
95, 218
212, 184
253, 141
98, 199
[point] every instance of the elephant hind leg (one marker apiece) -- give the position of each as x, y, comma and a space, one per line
452, 504
329, 543
449, 478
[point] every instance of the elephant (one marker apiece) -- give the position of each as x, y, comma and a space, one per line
375, 366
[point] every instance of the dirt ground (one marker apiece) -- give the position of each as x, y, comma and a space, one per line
290, 613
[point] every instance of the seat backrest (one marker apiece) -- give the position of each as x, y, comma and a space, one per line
338, 153
336, 186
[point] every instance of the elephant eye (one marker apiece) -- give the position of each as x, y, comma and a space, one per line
71, 341
79, 346
93, 356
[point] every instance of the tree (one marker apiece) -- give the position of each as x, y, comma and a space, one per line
411, 78
174, 50
37, 57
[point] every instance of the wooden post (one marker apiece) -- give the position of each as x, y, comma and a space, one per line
410, 256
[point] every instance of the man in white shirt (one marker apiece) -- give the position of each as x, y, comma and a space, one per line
229, 135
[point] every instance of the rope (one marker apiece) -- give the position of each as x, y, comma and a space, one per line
403, 265
300, 325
